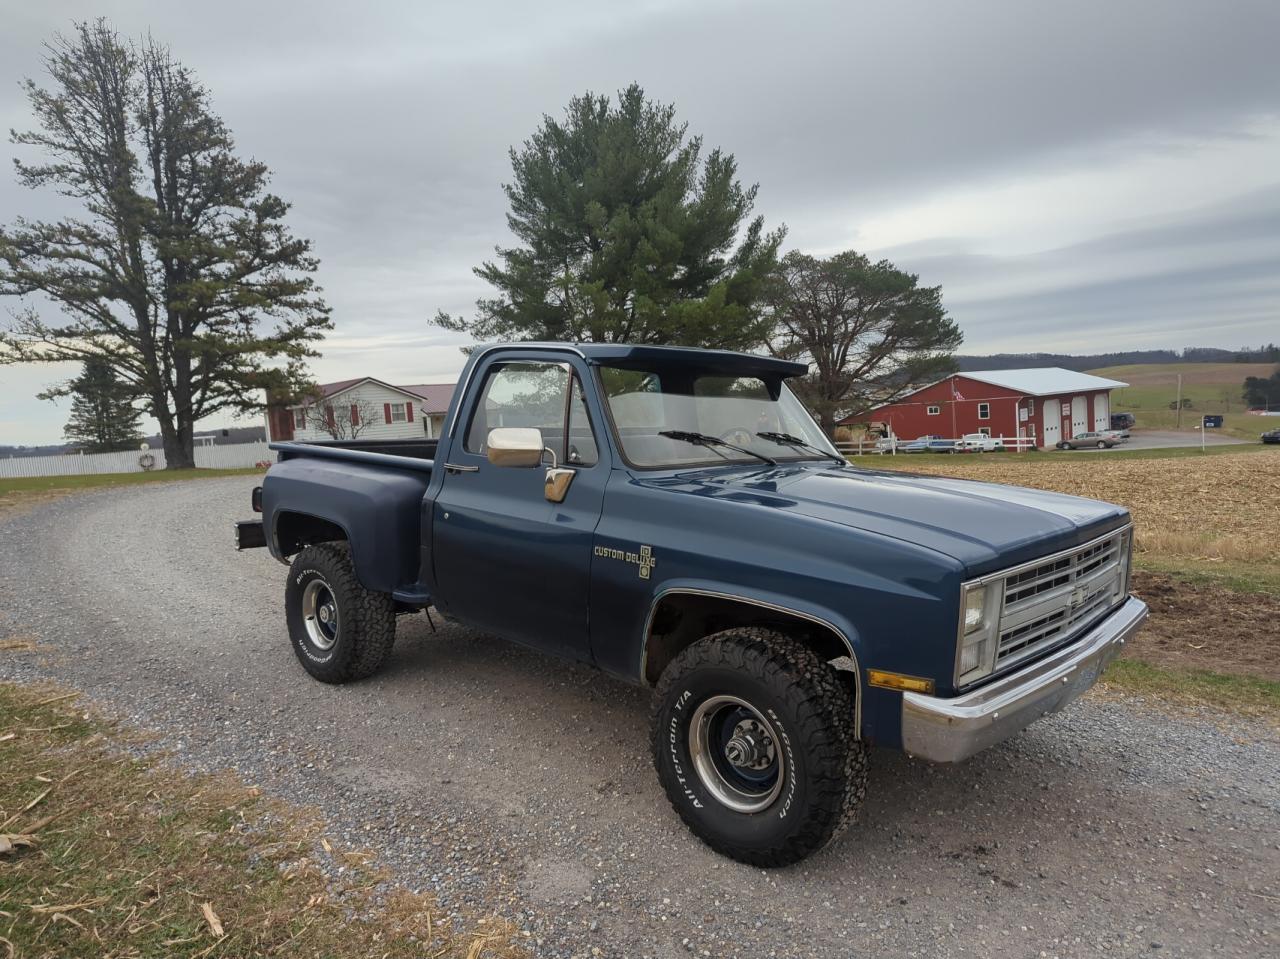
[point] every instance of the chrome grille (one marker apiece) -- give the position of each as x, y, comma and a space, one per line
1048, 601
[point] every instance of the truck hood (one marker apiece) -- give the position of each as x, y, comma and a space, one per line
984, 526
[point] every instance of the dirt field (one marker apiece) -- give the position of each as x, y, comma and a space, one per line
1221, 507
1233, 633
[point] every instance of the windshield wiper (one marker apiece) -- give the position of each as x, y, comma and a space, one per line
702, 439
786, 439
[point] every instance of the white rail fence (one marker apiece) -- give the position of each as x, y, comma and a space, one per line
889, 447
230, 456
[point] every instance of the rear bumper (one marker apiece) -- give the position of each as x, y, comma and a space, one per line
250, 534
949, 730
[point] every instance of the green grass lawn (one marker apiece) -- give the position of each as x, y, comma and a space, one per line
36, 484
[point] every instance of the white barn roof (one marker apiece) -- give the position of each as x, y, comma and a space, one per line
1043, 380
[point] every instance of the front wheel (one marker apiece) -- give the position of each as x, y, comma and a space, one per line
1063, 446
755, 744
340, 631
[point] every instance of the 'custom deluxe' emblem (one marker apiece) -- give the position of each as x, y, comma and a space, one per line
644, 559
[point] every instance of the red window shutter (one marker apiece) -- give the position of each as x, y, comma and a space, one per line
386, 411
408, 412
328, 415
355, 415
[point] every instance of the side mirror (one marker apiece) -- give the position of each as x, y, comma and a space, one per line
515, 446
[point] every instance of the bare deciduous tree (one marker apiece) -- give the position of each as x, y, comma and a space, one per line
344, 420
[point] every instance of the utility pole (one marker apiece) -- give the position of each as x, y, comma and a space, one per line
1179, 401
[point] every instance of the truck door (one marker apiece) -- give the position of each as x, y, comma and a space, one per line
504, 558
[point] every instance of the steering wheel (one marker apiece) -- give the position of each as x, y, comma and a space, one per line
738, 436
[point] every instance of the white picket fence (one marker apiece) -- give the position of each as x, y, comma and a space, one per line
231, 456
860, 447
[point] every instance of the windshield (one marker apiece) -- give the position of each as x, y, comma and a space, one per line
647, 403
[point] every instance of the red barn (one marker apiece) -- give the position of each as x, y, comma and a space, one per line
1047, 404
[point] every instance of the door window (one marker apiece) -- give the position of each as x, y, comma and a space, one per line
545, 396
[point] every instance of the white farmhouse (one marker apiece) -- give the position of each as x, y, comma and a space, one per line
364, 408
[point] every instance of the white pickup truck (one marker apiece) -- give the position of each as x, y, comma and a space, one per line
979, 443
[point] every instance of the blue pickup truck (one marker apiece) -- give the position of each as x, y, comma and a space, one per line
675, 518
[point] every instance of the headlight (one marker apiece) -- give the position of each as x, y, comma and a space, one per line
975, 609
979, 618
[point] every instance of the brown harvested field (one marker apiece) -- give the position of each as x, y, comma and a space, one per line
1223, 507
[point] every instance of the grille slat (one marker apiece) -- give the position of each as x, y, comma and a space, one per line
1047, 603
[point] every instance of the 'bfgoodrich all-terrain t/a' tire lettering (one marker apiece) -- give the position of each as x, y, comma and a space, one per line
786, 714
362, 622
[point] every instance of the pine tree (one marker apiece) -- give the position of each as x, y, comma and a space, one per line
103, 417
628, 235
180, 273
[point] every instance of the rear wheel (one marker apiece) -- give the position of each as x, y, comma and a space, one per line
340, 631
755, 744
1101, 445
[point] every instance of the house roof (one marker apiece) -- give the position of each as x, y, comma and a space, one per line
328, 389
434, 396
1043, 380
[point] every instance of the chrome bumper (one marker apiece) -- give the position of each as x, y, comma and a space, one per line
948, 730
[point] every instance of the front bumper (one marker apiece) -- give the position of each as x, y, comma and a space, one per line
948, 730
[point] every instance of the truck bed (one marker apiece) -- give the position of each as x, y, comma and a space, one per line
423, 449
417, 455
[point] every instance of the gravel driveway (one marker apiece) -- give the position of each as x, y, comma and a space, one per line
509, 781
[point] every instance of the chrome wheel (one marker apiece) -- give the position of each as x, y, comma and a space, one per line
737, 753
320, 614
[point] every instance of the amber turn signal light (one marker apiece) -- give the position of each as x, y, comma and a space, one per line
887, 680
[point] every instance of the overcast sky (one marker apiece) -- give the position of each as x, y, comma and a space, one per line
1077, 176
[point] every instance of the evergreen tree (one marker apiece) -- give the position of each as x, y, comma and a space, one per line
628, 235
103, 417
180, 259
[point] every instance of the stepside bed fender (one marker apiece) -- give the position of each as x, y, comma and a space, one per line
375, 508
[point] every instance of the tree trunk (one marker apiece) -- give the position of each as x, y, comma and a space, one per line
178, 444
174, 456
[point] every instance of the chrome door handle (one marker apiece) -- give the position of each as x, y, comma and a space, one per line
457, 468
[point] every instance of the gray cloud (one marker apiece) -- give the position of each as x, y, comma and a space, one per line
1211, 276
388, 125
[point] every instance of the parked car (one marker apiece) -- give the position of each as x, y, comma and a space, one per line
1122, 435
928, 444
1089, 440
978, 443
788, 609
1271, 436
1123, 421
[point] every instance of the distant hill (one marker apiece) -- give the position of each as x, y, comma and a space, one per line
1093, 361
1206, 388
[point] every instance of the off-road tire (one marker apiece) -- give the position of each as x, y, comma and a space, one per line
366, 620
813, 711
